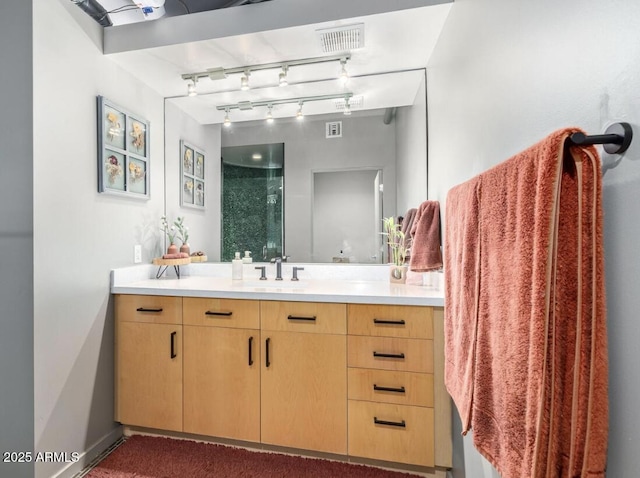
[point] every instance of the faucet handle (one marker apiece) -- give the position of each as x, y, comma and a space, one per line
263, 272
295, 272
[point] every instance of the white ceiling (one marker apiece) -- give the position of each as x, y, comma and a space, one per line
386, 72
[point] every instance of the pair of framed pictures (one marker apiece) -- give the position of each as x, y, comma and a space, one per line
192, 182
123, 151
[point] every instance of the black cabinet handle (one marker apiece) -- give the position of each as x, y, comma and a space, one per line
250, 351
388, 322
148, 309
266, 353
388, 389
213, 312
295, 317
397, 356
401, 424
173, 345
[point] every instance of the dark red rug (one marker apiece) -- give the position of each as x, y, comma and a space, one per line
156, 457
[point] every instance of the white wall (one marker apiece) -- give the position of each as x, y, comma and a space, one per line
16, 234
204, 224
79, 234
411, 152
366, 143
504, 75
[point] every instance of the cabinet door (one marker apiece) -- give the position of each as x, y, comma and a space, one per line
222, 382
304, 391
149, 375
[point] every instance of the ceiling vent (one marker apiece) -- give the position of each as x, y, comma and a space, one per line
355, 102
339, 39
334, 129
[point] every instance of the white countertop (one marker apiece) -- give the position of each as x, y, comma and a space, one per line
211, 282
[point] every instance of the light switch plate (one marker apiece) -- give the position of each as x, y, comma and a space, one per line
137, 254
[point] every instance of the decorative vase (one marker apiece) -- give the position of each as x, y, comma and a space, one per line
185, 248
173, 249
398, 274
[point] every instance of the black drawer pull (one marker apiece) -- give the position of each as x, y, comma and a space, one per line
401, 424
389, 322
148, 309
213, 312
173, 345
266, 353
379, 354
388, 389
250, 351
295, 317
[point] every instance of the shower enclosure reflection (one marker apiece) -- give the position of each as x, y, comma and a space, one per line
252, 201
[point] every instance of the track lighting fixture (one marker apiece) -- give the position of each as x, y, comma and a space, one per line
282, 77
220, 73
344, 74
244, 81
347, 106
227, 121
250, 105
191, 89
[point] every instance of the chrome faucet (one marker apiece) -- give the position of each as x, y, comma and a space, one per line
278, 261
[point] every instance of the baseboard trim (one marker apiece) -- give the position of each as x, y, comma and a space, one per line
75, 470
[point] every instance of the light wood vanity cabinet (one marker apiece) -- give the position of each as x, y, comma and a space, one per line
349, 379
222, 368
304, 383
149, 361
391, 383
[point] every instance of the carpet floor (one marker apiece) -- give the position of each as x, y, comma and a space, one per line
158, 457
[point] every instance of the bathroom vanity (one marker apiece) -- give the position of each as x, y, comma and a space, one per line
342, 367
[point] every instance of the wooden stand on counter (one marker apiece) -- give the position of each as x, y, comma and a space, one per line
164, 263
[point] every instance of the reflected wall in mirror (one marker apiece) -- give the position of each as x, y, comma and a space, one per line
367, 144
252, 201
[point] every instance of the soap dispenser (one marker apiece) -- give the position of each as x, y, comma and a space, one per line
247, 259
236, 267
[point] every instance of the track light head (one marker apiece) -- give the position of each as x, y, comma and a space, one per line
244, 81
227, 121
282, 77
299, 115
269, 114
347, 106
344, 74
191, 89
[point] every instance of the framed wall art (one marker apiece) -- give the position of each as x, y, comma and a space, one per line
192, 164
123, 151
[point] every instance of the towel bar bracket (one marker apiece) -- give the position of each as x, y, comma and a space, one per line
615, 140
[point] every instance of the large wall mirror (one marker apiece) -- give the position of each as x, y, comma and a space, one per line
331, 160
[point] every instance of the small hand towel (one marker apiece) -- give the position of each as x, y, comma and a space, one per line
425, 238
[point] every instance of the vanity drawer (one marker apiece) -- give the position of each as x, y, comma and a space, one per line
321, 317
391, 432
155, 309
241, 314
390, 353
404, 388
391, 321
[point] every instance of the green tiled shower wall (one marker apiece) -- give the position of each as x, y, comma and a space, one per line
252, 210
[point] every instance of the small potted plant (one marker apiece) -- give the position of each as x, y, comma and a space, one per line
183, 234
397, 250
171, 232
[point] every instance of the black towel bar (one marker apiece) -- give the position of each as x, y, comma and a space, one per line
616, 139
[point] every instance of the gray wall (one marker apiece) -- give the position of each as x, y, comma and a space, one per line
16, 234
366, 143
79, 234
504, 75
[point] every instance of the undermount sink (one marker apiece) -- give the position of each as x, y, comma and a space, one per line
272, 284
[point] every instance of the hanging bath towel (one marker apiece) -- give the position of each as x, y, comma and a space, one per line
525, 325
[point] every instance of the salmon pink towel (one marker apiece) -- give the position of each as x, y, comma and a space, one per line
425, 254
525, 325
